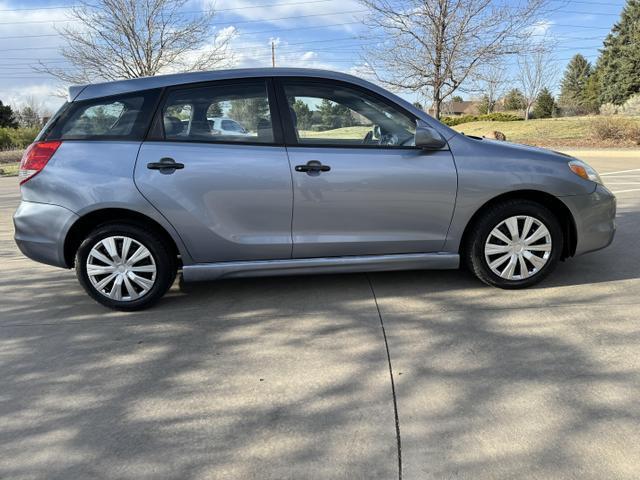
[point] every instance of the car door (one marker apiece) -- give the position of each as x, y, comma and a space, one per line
360, 185
228, 194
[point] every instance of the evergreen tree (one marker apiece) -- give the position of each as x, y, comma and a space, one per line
572, 98
514, 100
325, 109
7, 117
545, 105
249, 111
215, 110
592, 93
457, 98
343, 116
486, 105
619, 62
334, 115
304, 116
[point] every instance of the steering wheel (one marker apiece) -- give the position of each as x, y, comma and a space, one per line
389, 139
383, 138
368, 137
379, 136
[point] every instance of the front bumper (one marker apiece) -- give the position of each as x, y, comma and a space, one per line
41, 229
594, 215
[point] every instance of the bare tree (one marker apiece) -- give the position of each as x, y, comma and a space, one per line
117, 39
31, 113
490, 83
433, 46
536, 71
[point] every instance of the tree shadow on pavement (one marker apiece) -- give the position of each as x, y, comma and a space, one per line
287, 377
240, 379
544, 393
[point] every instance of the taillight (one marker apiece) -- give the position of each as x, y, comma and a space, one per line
35, 158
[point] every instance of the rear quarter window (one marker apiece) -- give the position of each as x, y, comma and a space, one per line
124, 117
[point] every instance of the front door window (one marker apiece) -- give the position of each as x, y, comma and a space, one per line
342, 116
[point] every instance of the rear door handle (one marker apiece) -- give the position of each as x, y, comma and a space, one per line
312, 166
165, 165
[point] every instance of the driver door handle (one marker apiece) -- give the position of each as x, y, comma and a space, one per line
165, 165
312, 166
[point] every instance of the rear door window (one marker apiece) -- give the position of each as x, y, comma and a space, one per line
124, 117
227, 113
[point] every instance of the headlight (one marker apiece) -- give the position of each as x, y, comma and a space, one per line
584, 170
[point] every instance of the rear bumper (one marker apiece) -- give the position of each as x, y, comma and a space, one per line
594, 215
41, 229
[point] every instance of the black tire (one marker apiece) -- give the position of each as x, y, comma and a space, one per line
164, 261
474, 248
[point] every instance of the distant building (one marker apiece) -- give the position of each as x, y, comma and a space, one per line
466, 107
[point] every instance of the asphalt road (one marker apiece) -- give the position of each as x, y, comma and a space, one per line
289, 378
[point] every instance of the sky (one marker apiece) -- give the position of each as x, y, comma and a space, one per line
307, 33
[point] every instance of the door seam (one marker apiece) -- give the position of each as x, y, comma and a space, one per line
293, 198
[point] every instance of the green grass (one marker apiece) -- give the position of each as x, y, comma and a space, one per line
9, 169
568, 131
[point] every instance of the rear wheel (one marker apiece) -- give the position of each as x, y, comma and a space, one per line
125, 267
514, 244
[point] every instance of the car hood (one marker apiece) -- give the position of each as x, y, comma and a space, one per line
516, 150
511, 166
522, 147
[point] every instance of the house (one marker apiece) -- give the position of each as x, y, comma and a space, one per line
465, 107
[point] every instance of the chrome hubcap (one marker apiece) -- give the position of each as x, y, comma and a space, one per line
121, 268
518, 247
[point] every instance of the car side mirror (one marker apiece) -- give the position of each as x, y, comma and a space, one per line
428, 137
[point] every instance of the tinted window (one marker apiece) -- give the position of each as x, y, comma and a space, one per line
193, 114
51, 123
122, 117
326, 114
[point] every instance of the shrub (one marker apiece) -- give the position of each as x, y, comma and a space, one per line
501, 117
608, 109
489, 117
632, 105
615, 128
23, 137
16, 138
5, 139
571, 111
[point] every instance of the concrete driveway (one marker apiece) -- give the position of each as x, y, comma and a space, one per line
289, 378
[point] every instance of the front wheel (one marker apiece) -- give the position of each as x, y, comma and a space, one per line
125, 267
515, 244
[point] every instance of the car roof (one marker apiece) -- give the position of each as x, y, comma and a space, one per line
96, 90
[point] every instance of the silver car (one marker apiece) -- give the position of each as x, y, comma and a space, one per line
129, 184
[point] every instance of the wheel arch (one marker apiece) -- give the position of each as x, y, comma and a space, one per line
88, 222
553, 203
